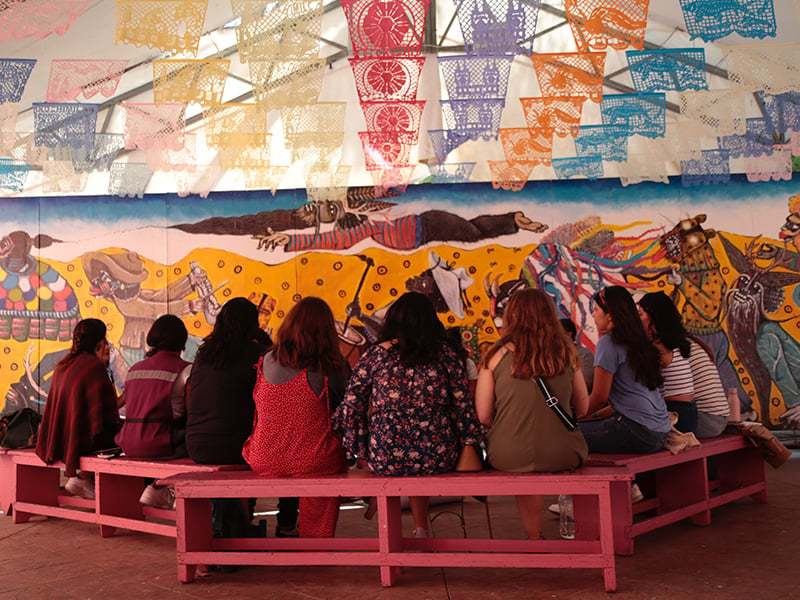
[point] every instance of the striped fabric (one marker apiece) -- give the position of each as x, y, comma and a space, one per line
708, 391
677, 377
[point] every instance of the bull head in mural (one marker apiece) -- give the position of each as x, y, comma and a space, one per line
766, 350
685, 238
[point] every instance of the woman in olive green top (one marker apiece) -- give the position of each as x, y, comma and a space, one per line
526, 435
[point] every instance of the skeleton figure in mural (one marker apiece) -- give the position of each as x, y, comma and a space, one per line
696, 275
765, 348
118, 278
36, 302
355, 220
570, 264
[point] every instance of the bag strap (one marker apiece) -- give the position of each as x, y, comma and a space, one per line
552, 401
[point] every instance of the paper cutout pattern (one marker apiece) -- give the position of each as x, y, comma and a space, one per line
507, 176
385, 27
451, 172
289, 29
59, 177
598, 24
571, 74
154, 125
771, 68
185, 81
72, 78
444, 141
283, 83
521, 145
13, 174
782, 111
14, 74
235, 125
129, 179
777, 166
167, 25
560, 115
495, 27
721, 110
714, 19
394, 116
473, 119
169, 159
756, 141
642, 114
642, 167
668, 69
38, 18
476, 77
100, 156
382, 79
712, 167
590, 167
59, 124
608, 141
8, 126
247, 158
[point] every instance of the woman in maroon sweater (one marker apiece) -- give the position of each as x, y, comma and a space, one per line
80, 415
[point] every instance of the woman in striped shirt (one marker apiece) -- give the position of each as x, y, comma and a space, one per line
663, 324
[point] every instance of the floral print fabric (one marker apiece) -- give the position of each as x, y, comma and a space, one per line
407, 421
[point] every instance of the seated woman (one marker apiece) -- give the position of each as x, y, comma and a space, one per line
80, 415
525, 435
298, 383
669, 337
155, 397
627, 375
711, 405
407, 409
220, 411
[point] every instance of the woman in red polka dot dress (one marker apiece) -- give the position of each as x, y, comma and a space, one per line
298, 384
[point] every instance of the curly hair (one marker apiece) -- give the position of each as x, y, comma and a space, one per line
307, 338
542, 347
665, 322
629, 332
411, 320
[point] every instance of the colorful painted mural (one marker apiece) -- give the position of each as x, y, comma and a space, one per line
728, 255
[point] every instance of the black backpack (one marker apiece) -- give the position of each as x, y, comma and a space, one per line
20, 428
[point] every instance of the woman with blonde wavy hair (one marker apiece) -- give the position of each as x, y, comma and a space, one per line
525, 435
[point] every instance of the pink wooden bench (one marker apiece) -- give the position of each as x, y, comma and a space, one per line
677, 486
33, 488
391, 551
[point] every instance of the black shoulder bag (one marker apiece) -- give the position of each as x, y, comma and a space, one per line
551, 401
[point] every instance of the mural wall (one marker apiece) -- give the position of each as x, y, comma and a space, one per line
729, 255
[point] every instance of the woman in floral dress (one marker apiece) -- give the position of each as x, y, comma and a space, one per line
407, 409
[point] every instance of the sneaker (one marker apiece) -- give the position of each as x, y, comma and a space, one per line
636, 494
158, 497
554, 508
421, 533
285, 532
80, 487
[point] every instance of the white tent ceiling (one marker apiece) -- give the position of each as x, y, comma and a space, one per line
92, 36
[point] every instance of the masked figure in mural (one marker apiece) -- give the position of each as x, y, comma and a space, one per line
118, 278
766, 349
570, 264
36, 302
444, 285
696, 275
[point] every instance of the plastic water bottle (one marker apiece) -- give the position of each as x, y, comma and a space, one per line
566, 526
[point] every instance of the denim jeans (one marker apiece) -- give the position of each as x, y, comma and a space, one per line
620, 435
687, 415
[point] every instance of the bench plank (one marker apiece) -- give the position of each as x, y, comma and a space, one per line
677, 486
196, 546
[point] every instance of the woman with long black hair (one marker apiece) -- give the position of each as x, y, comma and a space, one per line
407, 409
627, 376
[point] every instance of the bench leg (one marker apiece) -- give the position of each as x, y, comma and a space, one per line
683, 485
8, 475
390, 536
193, 527
37, 485
622, 517
118, 496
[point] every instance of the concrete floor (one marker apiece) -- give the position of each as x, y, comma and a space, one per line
750, 551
